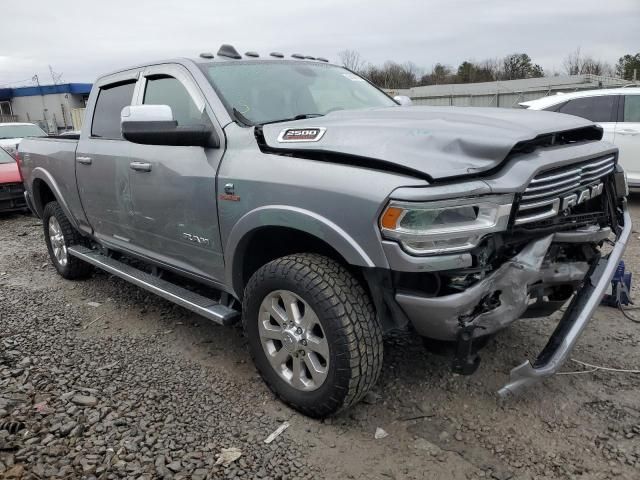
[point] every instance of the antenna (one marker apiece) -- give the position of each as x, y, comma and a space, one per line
228, 51
55, 77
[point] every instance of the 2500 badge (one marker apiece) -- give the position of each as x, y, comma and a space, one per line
301, 134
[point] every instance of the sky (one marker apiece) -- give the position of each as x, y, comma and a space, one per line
84, 39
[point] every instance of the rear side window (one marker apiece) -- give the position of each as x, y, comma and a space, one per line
106, 116
169, 91
597, 109
631, 108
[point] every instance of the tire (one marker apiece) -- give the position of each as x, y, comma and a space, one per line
55, 221
337, 320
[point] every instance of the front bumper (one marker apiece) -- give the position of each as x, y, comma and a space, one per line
573, 322
440, 317
12, 197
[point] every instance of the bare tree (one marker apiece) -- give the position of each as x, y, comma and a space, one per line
572, 62
352, 60
576, 64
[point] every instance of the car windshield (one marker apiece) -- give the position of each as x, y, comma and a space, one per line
265, 91
5, 157
21, 131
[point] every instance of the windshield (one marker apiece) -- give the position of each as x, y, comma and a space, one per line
5, 157
266, 91
21, 131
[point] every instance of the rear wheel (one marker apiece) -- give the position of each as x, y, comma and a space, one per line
313, 333
59, 235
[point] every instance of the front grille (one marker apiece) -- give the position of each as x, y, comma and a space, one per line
11, 196
556, 190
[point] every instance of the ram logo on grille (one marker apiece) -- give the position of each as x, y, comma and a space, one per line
558, 190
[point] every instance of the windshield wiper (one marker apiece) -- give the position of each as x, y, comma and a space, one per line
241, 118
302, 116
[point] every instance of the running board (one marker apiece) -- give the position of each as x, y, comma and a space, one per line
207, 307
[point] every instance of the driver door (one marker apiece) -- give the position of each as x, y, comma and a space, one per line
173, 188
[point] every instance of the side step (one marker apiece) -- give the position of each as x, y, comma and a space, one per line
195, 302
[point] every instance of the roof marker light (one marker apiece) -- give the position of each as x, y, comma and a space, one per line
298, 55
277, 54
251, 54
206, 55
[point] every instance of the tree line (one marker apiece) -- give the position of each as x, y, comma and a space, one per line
512, 67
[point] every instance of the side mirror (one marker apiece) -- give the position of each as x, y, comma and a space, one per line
154, 125
403, 100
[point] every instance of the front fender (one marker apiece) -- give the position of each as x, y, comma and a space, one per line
291, 217
40, 173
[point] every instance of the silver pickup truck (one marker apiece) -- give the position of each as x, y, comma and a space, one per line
294, 194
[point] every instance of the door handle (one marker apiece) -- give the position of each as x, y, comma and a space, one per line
84, 160
628, 131
140, 166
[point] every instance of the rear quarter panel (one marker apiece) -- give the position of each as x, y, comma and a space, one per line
52, 160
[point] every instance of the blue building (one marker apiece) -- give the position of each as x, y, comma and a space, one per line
54, 107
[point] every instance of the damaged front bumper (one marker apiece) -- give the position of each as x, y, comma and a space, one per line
573, 322
503, 296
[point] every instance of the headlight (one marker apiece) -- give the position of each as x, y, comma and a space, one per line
446, 225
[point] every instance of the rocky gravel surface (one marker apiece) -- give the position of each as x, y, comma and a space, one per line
99, 379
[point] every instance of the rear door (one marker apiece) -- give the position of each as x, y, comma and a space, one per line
173, 188
601, 109
102, 161
628, 137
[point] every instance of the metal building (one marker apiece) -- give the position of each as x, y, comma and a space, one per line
50, 106
505, 94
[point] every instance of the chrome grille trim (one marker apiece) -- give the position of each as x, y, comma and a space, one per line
546, 189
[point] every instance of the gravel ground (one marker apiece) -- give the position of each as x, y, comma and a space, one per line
99, 379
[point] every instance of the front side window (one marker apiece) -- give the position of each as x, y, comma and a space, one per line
169, 91
265, 91
600, 108
631, 108
106, 116
21, 131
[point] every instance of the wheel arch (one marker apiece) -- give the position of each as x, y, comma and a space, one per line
271, 232
44, 189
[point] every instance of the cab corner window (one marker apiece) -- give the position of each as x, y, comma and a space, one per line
165, 90
631, 108
597, 109
106, 116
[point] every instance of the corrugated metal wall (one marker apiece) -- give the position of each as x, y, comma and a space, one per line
505, 100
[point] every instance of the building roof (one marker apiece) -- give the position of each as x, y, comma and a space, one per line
72, 88
566, 82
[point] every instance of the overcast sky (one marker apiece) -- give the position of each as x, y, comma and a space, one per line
82, 39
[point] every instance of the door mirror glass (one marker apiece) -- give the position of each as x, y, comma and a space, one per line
155, 125
403, 100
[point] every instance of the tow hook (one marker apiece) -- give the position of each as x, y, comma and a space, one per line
466, 360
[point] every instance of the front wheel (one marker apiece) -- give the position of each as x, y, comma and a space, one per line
313, 333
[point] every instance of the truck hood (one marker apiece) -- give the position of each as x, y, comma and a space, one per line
434, 142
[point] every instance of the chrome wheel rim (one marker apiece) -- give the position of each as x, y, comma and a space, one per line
293, 340
58, 244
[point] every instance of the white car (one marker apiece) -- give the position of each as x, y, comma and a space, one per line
12, 133
617, 110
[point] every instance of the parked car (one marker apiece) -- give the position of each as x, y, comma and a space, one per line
616, 110
11, 188
11, 134
295, 192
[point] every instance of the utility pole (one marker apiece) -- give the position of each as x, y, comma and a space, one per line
44, 107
